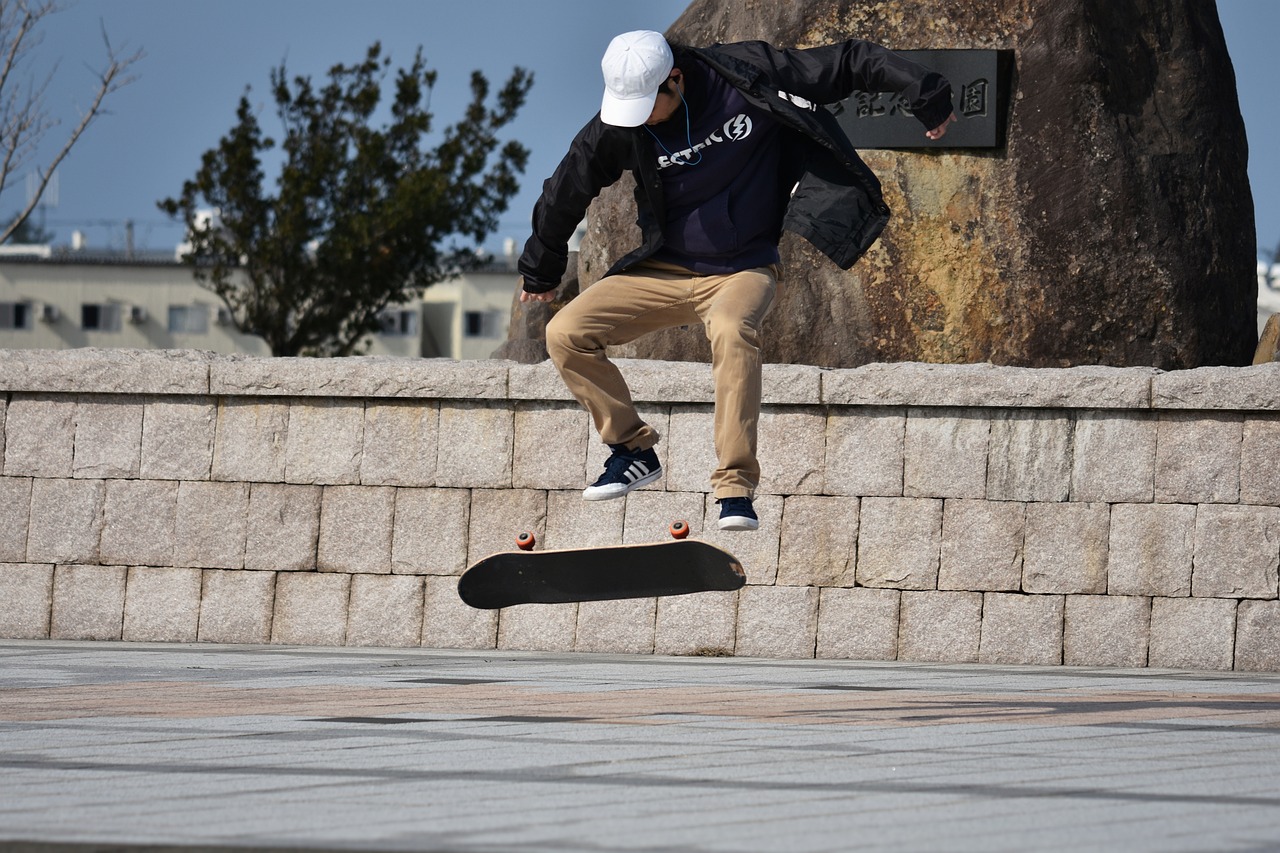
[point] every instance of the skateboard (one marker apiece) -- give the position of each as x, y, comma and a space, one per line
526, 576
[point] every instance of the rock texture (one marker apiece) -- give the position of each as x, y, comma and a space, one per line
1115, 227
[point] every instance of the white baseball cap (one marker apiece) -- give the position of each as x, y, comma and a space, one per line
634, 66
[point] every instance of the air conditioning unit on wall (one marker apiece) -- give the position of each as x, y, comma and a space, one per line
137, 314
48, 313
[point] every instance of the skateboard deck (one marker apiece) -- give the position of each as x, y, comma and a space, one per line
599, 574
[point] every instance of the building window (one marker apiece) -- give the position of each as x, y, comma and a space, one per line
100, 317
482, 324
15, 315
188, 319
399, 323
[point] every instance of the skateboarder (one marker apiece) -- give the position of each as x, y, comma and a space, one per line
728, 145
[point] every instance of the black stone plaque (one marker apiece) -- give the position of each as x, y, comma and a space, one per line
979, 92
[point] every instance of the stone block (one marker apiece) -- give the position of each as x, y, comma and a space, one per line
550, 449
284, 527
777, 622
162, 605
1198, 457
27, 593
1151, 549
819, 541
359, 376
210, 529
943, 627
1257, 636
178, 438
792, 450
15, 518
498, 516
326, 438
106, 371
400, 443
1192, 633
1029, 456
138, 523
1222, 388
617, 627
1260, 461
858, 624
575, 523
1021, 629
899, 542
236, 607
648, 515
946, 453
539, 382
449, 624
385, 610
430, 533
1107, 630
252, 438
698, 625
40, 431
476, 442
982, 543
355, 529
1114, 457
4, 406
66, 521
108, 440
1066, 548
311, 609
88, 602
757, 550
667, 381
1237, 552
690, 450
865, 450
539, 628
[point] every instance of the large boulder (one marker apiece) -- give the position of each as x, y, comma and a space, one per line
1114, 227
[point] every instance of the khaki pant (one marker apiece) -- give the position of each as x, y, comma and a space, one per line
653, 296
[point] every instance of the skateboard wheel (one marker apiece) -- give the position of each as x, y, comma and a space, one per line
679, 530
525, 541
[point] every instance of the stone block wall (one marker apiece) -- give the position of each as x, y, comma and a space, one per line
1085, 516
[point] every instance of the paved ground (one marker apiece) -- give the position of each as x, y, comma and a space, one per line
119, 746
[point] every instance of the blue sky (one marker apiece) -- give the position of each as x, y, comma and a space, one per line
201, 56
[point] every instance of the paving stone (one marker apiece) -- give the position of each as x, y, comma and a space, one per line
449, 624
15, 517
108, 440
940, 626
236, 607
475, 445
210, 530
1225, 388
359, 376
88, 602
139, 518
178, 436
162, 605
859, 624
1260, 461
1151, 549
311, 609
550, 449
252, 439
899, 542
326, 439
792, 450
1237, 552
385, 611
283, 529
777, 621
106, 371
1021, 629
27, 592
1258, 636
757, 550
575, 523
649, 515
498, 516
819, 539
1198, 457
1114, 457
617, 627
66, 521
1106, 630
1192, 633
1029, 456
699, 625
39, 435
430, 534
690, 450
1066, 548
538, 627
865, 450
946, 453
355, 529
982, 543
400, 443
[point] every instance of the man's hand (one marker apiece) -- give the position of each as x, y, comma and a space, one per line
941, 130
526, 296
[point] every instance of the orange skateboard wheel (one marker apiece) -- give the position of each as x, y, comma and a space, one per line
525, 541
679, 530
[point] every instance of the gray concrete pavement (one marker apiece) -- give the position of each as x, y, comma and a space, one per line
230, 747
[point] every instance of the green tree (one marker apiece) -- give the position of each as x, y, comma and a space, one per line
360, 216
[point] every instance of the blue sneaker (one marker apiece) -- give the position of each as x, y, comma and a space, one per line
737, 514
624, 471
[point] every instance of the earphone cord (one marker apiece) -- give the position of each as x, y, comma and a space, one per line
688, 131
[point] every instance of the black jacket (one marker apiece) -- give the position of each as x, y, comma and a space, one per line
836, 205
